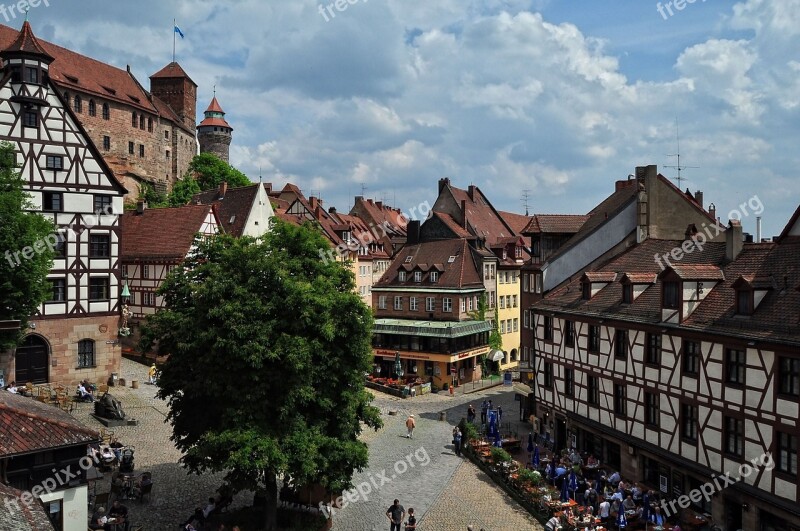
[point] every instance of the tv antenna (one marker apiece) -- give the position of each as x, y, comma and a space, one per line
363, 188
677, 156
525, 197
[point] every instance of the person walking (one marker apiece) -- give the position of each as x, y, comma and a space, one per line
411, 525
471, 414
457, 441
484, 409
395, 514
151, 374
410, 425
499, 413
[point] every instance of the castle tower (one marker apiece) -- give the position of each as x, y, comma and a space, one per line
214, 133
173, 86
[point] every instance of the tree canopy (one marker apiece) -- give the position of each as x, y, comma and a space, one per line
268, 346
210, 171
27, 240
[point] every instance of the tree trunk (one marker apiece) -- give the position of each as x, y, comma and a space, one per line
271, 505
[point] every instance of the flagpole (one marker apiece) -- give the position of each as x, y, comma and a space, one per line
174, 25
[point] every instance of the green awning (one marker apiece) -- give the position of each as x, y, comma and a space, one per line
445, 329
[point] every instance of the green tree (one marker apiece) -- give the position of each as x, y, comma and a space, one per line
26, 241
183, 191
268, 346
153, 197
210, 171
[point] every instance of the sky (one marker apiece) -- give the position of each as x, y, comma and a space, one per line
553, 99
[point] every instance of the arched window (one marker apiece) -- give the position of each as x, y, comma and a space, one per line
150, 124
106, 112
78, 105
134, 119
86, 353
141, 121
92, 108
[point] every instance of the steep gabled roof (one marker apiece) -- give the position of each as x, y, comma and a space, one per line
392, 219
161, 233
28, 426
233, 209
462, 272
26, 43
482, 218
172, 70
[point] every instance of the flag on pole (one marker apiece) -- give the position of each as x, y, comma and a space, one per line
178, 31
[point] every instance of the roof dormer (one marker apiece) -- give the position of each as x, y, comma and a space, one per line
594, 281
750, 291
634, 284
684, 287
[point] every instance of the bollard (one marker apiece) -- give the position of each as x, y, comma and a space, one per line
134, 384
451, 390
443, 416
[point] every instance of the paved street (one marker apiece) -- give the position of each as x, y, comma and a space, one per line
447, 492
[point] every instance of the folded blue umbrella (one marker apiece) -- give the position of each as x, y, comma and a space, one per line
535, 458
622, 522
530, 442
564, 492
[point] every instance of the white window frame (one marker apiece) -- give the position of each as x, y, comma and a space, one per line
434, 277
463, 305
447, 304
381, 302
412, 304
430, 304
401, 276
417, 276
516, 324
398, 302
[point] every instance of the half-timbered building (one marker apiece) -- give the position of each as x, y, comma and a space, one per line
677, 373
74, 334
146, 260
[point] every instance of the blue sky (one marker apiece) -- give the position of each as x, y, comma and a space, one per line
559, 97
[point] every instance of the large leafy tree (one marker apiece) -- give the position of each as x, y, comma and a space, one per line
183, 191
26, 243
268, 346
210, 171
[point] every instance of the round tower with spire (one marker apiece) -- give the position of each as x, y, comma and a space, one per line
214, 133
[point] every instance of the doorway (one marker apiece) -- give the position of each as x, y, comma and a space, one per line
733, 515
32, 361
561, 433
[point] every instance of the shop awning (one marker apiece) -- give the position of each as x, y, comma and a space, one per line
496, 355
445, 329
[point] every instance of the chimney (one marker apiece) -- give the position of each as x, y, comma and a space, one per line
412, 232
463, 213
359, 198
646, 173
691, 232
141, 206
370, 201
712, 210
332, 210
223, 189
471, 192
379, 204
698, 196
442, 183
758, 229
734, 239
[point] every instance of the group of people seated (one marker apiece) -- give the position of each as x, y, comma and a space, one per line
85, 391
199, 520
115, 519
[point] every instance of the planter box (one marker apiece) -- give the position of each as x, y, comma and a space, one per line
385, 389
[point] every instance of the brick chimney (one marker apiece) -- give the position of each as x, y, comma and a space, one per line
712, 210
379, 204
412, 232
141, 206
734, 240
471, 192
331, 210
442, 183
223, 189
698, 196
463, 213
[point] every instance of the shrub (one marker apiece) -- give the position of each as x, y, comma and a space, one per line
445, 386
530, 477
468, 431
500, 456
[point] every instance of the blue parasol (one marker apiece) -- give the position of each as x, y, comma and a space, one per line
535, 458
622, 522
646, 507
498, 441
530, 442
552, 471
573, 483
564, 492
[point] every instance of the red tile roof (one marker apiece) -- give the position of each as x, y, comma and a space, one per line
463, 271
457, 230
482, 219
639, 278
71, 70
27, 43
214, 106
17, 516
29, 426
172, 70
600, 276
554, 224
380, 214
163, 234
697, 272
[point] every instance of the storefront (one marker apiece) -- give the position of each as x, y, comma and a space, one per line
437, 351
